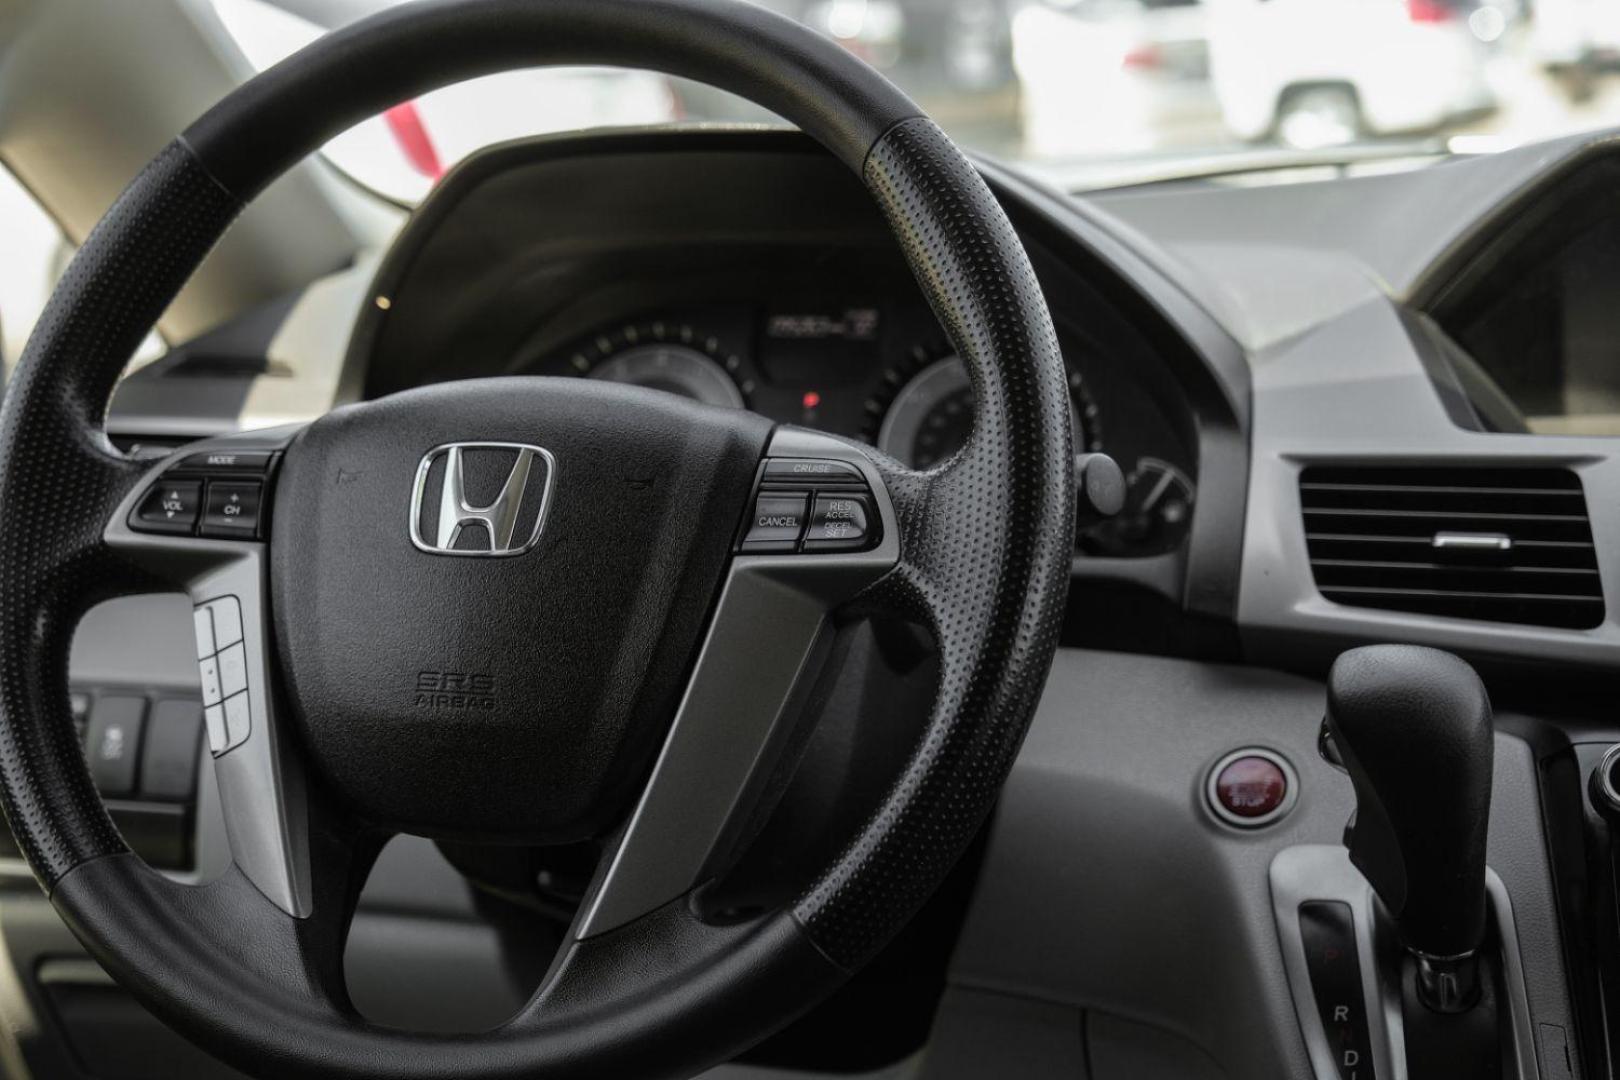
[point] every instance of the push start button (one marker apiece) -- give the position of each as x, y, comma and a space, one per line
1252, 787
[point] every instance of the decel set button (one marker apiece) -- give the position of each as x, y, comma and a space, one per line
838, 523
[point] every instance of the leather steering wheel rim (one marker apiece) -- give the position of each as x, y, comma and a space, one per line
984, 549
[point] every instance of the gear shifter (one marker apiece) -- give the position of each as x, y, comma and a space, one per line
1412, 727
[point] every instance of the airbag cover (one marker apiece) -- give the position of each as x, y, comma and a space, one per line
504, 698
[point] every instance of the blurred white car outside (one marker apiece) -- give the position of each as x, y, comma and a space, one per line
1575, 40
1315, 73
1110, 77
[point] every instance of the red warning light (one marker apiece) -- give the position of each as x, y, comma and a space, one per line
811, 399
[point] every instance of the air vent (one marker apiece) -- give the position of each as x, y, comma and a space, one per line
1503, 544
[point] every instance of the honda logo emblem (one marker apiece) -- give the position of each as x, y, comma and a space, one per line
509, 525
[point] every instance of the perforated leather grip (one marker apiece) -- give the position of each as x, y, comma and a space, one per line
985, 542
59, 481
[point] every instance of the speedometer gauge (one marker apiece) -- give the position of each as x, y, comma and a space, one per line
664, 356
674, 368
931, 416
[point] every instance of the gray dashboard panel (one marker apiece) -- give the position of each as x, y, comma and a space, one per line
1313, 279
1271, 259
1109, 886
1355, 390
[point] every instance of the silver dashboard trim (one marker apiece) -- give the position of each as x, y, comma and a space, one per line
1324, 872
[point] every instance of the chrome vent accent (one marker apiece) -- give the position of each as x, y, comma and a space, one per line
1500, 543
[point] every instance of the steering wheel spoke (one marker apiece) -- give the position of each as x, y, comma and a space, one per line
763, 648
196, 522
223, 944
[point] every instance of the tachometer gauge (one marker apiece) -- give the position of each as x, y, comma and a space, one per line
931, 415
664, 356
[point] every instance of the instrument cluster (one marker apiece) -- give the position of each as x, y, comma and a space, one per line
887, 376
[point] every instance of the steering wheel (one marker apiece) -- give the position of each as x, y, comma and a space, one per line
627, 659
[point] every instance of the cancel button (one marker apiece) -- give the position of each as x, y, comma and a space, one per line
777, 522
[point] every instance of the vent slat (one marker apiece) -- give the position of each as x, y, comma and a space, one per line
1442, 568
1370, 535
1435, 489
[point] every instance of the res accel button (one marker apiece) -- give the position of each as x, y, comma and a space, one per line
839, 523
777, 522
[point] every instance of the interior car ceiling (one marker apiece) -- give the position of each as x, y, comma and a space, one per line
1108, 921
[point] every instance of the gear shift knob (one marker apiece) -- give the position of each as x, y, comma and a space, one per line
1412, 727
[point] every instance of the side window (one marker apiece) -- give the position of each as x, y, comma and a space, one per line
33, 252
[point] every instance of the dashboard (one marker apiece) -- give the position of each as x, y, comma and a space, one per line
773, 287
1254, 357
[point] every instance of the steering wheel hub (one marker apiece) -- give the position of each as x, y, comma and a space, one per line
514, 698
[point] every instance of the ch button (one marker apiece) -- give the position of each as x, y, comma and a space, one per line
232, 509
778, 520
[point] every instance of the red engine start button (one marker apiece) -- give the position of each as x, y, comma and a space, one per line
1251, 787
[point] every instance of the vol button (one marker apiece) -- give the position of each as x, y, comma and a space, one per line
169, 507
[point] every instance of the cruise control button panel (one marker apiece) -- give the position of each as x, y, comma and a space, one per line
218, 494
809, 506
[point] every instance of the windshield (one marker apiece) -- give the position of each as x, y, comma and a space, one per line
1090, 92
